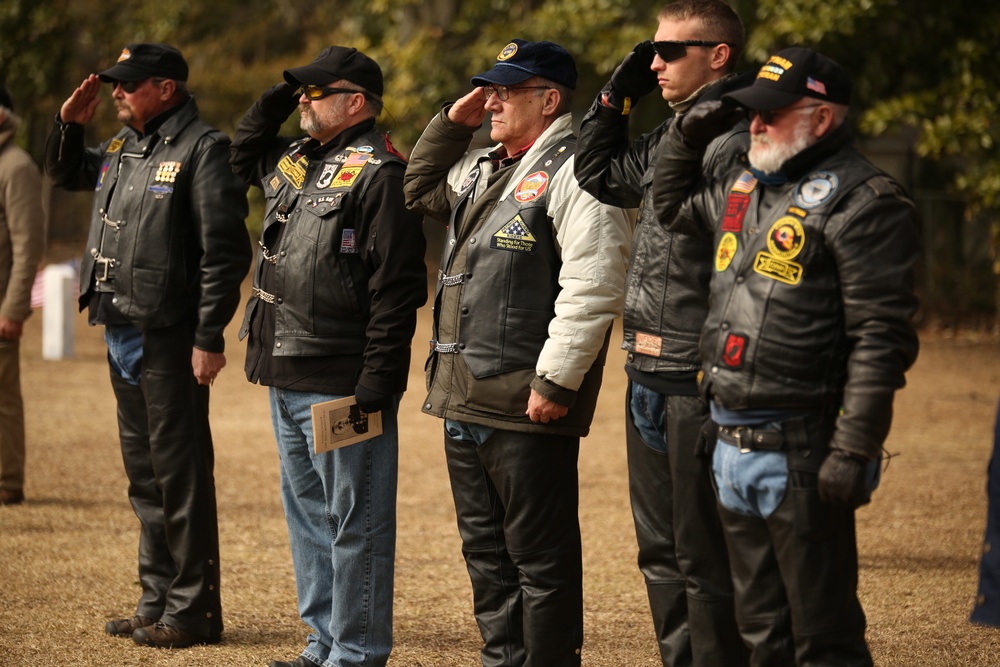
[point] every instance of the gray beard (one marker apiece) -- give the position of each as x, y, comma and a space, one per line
768, 157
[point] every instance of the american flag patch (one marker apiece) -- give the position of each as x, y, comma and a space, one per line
745, 183
815, 86
348, 242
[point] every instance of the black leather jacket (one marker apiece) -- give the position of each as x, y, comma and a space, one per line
182, 248
666, 292
812, 288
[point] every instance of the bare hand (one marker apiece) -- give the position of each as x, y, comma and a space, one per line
82, 104
10, 329
206, 365
470, 110
541, 409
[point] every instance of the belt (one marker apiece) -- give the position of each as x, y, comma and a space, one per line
262, 295
749, 438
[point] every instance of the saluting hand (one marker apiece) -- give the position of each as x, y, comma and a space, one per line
82, 104
470, 110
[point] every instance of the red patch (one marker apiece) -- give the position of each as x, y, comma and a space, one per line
736, 346
736, 209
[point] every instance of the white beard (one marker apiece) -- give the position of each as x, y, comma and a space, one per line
769, 157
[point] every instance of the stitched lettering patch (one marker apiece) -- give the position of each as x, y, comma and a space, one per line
514, 236
781, 270
786, 238
294, 171
648, 344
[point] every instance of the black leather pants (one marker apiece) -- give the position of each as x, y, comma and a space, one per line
682, 549
795, 573
516, 498
167, 450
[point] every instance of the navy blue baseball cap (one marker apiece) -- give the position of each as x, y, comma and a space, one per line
521, 60
141, 61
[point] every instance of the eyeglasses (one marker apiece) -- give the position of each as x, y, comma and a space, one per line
314, 92
132, 86
503, 92
670, 51
771, 117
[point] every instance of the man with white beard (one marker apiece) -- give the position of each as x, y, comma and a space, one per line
807, 339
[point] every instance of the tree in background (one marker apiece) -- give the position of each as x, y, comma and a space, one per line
920, 66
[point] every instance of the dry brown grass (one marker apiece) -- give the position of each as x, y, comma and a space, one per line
67, 556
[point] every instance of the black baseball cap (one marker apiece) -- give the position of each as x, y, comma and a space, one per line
338, 62
141, 61
792, 74
521, 60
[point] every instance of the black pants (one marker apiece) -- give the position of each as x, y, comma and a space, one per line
682, 549
516, 498
167, 449
795, 573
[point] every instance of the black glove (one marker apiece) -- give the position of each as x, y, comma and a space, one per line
370, 400
705, 121
278, 102
842, 480
633, 78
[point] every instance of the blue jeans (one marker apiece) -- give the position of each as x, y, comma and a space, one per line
647, 406
341, 512
125, 351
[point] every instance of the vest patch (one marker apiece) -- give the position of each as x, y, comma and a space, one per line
724, 254
167, 172
326, 176
781, 270
348, 242
294, 171
104, 172
786, 238
160, 190
734, 351
648, 344
745, 183
816, 190
346, 176
514, 236
736, 210
532, 186
469, 180
115, 145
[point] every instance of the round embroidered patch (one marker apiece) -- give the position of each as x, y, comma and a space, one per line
786, 238
508, 52
816, 190
532, 186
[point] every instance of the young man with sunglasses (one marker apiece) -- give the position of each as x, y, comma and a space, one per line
167, 251
808, 337
682, 551
529, 284
339, 277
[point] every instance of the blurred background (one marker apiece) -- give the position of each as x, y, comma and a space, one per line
927, 87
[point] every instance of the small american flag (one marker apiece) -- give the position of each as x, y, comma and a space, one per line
38, 286
815, 86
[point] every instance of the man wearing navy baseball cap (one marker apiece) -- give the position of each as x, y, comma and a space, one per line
808, 336
529, 283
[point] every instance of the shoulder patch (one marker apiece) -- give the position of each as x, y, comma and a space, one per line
816, 189
531, 187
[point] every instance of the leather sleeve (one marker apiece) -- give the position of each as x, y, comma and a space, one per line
68, 162
876, 243
256, 147
608, 166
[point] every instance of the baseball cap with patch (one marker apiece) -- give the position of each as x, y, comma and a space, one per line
792, 74
141, 61
338, 62
521, 60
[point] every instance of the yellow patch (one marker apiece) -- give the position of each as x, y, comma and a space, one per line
346, 176
514, 236
294, 172
724, 254
786, 238
508, 52
115, 145
781, 270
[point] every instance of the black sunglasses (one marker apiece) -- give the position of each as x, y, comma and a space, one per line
131, 86
670, 51
314, 92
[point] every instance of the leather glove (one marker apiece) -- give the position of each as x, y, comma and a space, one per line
705, 121
278, 102
370, 400
633, 78
842, 480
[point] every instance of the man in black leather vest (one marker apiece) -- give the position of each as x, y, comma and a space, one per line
682, 551
339, 277
529, 283
166, 254
808, 337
